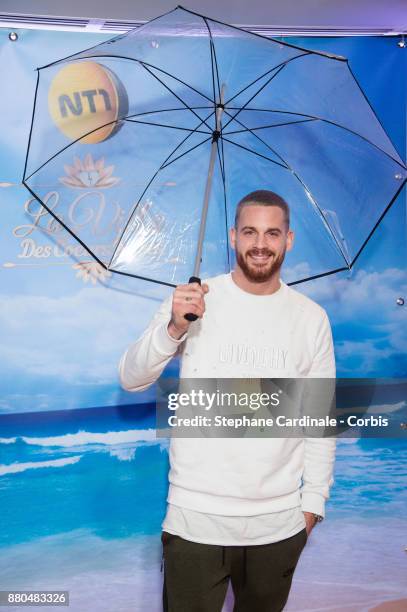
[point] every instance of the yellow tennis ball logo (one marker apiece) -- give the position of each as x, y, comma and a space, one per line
83, 97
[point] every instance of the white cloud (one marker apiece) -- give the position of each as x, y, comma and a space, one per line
365, 299
367, 354
292, 273
78, 338
359, 295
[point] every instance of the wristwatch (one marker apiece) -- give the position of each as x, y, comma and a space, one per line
318, 518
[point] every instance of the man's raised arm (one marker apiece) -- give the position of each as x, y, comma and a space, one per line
145, 359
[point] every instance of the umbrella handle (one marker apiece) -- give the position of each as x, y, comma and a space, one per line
190, 316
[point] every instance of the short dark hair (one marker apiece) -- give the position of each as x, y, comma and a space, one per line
263, 197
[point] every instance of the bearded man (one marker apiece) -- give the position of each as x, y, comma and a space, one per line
240, 510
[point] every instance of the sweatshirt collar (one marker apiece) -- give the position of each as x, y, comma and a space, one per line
238, 292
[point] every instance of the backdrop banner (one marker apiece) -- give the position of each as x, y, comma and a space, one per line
83, 475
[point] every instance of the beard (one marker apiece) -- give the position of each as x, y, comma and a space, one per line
259, 273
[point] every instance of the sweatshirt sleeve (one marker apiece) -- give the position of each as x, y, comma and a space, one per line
319, 452
143, 362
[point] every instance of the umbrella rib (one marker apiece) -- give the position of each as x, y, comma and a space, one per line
70, 144
342, 127
213, 62
260, 139
304, 280
254, 95
148, 185
282, 65
315, 118
223, 156
217, 69
212, 68
368, 102
394, 198
171, 127
255, 153
175, 78
184, 140
186, 152
222, 160
174, 94
268, 126
222, 170
213, 72
152, 280
169, 110
32, 125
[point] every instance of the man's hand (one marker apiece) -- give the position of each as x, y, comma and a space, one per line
310, 521
186, 298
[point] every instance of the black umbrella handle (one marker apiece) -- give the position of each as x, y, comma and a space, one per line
190, 316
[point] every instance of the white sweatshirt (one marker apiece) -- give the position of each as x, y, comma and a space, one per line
242, 335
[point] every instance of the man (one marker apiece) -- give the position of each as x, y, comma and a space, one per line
240, 509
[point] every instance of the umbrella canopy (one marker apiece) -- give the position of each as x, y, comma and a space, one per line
136, 141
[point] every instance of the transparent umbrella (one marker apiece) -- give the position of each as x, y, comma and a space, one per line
141, 146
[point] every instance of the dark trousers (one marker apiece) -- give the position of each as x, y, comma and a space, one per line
196, 576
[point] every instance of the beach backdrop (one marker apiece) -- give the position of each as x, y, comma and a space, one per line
83, 478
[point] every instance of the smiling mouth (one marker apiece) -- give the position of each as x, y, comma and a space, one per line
259, 258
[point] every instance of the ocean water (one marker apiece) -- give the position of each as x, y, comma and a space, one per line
82, 497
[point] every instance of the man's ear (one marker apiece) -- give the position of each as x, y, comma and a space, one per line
232, 234
290, 239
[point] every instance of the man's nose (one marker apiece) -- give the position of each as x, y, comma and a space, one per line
261, 241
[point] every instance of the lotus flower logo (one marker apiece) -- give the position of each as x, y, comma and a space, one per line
89, 174
91, 271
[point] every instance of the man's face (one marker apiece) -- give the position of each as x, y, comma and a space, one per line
261, 241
